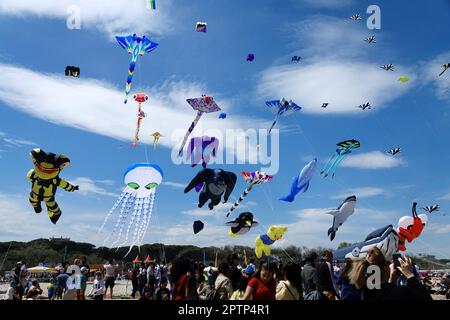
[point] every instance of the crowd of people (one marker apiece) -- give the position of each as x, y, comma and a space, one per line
316, 278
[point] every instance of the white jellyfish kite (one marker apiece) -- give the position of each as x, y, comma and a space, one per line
136, 201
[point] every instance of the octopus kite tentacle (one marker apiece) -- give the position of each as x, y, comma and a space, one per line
149, 214
126, 209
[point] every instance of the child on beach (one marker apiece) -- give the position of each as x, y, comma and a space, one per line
98, 287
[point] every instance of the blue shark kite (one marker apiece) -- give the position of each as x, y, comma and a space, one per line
136, 46
284, 108
301, 182
343, 150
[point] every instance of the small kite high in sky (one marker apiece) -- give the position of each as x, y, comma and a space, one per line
250, 57
198, 226
282, 108
251, 178
156, 135
430, 209
201, 27
388, 67
136, 46
403, 79
139, 98
325, 104
343, 150
365, 106
394, 151
445, 66
202, 105
72, 71
222, 116
370, 39
136, 201
341, 214
296, 59
356, 17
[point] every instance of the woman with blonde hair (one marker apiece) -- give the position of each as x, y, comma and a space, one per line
377, 279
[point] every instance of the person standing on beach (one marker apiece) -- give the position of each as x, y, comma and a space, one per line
110, 276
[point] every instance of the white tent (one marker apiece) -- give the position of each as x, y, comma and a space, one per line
39, 269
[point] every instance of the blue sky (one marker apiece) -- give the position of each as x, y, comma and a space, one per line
86, 119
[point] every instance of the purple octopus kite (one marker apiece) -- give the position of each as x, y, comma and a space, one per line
201, 148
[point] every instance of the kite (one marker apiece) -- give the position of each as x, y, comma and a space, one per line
265, 241
345, 148
205, 104
356, 17
296, 59
198, 226
365, 106
151, 4
283, 107
301, 182
139, 98
222, 116
370, 39
445, 66
213, 184
388, 67
241, 225
156, 135
45, 181
410, 228
403, 79
250, 57
136, 201
341, 214
251, 178
136, 46
325, 104
72, 71
430, 209
201, 26
394, 151
201, 148
386, 239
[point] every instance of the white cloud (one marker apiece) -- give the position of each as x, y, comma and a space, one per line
360, 193
19, 142
445, 197
341, 73
98, 107
89, 186
438, 228
113, 17
174, 185
372, 160
331, 4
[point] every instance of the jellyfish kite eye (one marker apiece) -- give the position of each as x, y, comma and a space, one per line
133, 185
151, 186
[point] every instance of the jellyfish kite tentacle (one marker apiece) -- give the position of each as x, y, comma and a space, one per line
130, 224
137, 219
145, 219
122, 214
125, 212
118, 202
149, 214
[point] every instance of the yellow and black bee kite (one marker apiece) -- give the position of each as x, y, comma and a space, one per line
45, 180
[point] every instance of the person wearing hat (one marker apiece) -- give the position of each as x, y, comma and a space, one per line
83, 283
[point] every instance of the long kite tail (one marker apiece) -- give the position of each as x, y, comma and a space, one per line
338, 162
241, 198
188, 133
328, 163
273, 123
333, 165
129, 79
